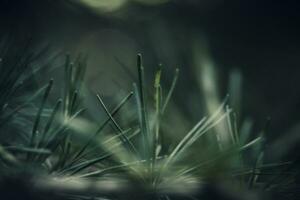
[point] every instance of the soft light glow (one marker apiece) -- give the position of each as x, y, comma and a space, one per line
104, 5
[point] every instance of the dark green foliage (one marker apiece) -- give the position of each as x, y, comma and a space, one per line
57, 161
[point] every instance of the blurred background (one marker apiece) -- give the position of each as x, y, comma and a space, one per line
248, 49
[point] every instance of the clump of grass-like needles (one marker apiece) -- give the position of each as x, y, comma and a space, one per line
128, 163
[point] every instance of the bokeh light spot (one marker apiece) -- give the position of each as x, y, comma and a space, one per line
104, 5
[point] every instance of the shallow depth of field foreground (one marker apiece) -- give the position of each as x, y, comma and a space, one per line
149, 100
